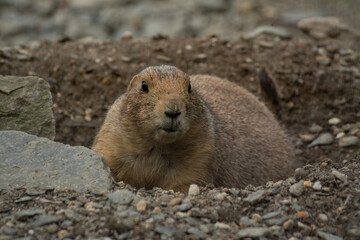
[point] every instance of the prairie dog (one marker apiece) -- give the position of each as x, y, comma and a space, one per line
171, 130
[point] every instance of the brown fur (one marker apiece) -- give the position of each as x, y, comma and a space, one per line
223, 135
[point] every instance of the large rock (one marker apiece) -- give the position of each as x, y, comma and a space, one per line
26, 105
29, 161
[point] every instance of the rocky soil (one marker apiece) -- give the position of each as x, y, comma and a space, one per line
320, 202
319, 83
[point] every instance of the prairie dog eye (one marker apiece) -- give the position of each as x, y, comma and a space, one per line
189, 89
144, 86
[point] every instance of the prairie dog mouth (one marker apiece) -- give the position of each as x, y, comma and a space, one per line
171, 127
169, 130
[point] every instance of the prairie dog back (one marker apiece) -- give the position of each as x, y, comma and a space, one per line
250, 146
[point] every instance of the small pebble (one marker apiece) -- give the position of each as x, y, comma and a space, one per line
327, 236
271, 215
340, 135
194, 190
297, 189
127, 36
186, 205
23, 214
315, 128
24, 199
123, 197
323, 139
9, 230
317, 186
174, 202
62, 234
157, 210
307, 184
201, 56
167, 231
289, 224
323, 217
196, 232
334, 121
349, 141
141, 205
354, 232
256, 217
306, 138
220, 196
163, 58
88, 114
339, 175
255, 197
253, 232
220, 225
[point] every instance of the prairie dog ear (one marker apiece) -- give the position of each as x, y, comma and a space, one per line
133, 82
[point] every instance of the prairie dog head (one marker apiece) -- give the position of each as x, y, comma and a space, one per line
160, 105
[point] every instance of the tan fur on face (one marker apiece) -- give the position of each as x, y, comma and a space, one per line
223, 135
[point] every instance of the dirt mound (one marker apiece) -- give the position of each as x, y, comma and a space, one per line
319, 90
316, 82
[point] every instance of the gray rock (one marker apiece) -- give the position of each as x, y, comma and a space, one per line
327, 236
339, 175
194, 190
253, 232
124, 197
271, 215
220, 225
185, 205
70, 214
9, 230
276, 221
255, 197
323, 139
127, 213
159, 217
23, 214
297, 189
315, 128
349, 141
246, 221
167, 231
277, 31
323, 217
289, 224
317, 186
354, 232
66, 223
334, 121
26, 105
29, 161
44, 219
196, 232
24, 199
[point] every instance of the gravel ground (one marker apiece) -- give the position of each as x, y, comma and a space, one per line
321, 201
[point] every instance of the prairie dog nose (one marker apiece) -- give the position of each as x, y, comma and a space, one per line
172, 109
172, 112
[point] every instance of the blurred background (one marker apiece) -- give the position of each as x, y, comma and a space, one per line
24, 21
